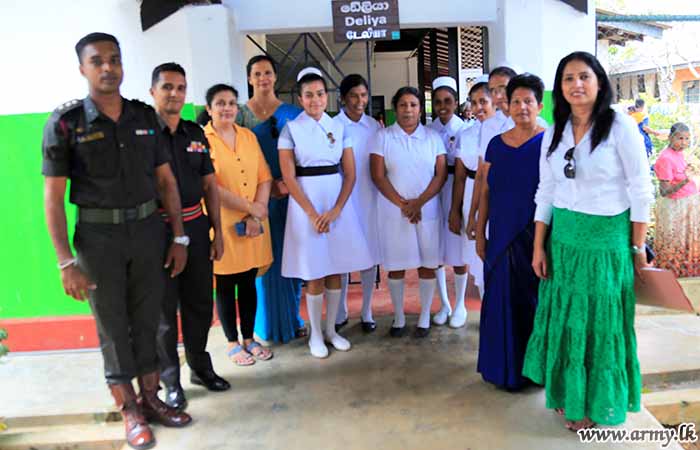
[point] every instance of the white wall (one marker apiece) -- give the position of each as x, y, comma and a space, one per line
535, 34
38, 49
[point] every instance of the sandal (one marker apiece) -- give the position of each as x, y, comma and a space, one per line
258, 351
576, 425
240, 356
301, 332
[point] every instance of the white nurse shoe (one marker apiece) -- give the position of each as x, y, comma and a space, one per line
339, 342
317, 347
459, 317
441, 317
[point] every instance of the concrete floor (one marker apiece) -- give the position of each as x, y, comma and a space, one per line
401, 394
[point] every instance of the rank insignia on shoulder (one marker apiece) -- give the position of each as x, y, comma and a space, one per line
146, 132
197, 147
90, 137
69, 105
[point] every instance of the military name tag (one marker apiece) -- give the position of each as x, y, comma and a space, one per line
197, 147
148, 132
90, 137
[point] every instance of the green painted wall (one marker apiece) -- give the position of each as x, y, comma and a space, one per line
547, 109
30, 284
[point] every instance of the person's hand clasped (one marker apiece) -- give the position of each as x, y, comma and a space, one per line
258, 210
176, 259
411, 209
323, 221
279, 189
539, 263
252, 227
76, 283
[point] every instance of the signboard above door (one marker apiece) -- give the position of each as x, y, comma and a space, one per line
581, 5
360, 20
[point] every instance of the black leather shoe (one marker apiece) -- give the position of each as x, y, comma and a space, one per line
210, 380
339, 326
175, 397
397, 332
368, 327
421, 332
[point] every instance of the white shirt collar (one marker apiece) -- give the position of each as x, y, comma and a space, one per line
364, 120
419, 133
451, 127
326, 122
567, 136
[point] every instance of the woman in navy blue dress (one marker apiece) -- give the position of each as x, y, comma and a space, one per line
510, 298
277, 318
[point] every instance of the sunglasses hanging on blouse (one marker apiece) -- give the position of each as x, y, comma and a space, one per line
570, 167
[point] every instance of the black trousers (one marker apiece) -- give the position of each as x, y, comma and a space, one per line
126, 263
192, 291
247, 303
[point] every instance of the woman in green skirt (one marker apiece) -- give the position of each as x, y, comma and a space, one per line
594, 196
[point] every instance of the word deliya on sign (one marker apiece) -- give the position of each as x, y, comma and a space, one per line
364, 7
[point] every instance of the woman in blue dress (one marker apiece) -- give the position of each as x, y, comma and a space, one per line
277, 318
508, 199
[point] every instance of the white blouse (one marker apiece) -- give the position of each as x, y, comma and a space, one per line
409, 159
611, 179
449, 134
473, 141
360, 133
315, 142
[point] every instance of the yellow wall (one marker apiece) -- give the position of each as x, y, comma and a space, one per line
681, 76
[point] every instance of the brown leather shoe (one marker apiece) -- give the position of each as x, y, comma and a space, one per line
138, 434
154, 409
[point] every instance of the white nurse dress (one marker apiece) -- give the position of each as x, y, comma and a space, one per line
307, 254
410, 166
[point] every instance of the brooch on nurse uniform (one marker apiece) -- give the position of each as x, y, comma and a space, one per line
331, 139
452, 142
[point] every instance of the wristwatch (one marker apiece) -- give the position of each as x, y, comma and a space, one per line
182, 240
638, 250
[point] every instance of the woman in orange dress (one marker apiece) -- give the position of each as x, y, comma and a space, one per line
244, 182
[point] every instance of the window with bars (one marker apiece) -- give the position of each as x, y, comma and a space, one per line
691, 91
618, 89
472, 44
641, 86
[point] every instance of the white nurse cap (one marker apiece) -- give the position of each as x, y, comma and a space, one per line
307, 71
444, 82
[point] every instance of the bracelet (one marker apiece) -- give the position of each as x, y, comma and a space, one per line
639, 250
67, 263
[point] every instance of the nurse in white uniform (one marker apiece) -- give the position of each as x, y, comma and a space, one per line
490, 127
455, 246
320, 219
354, 93
409, 168
472, 147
